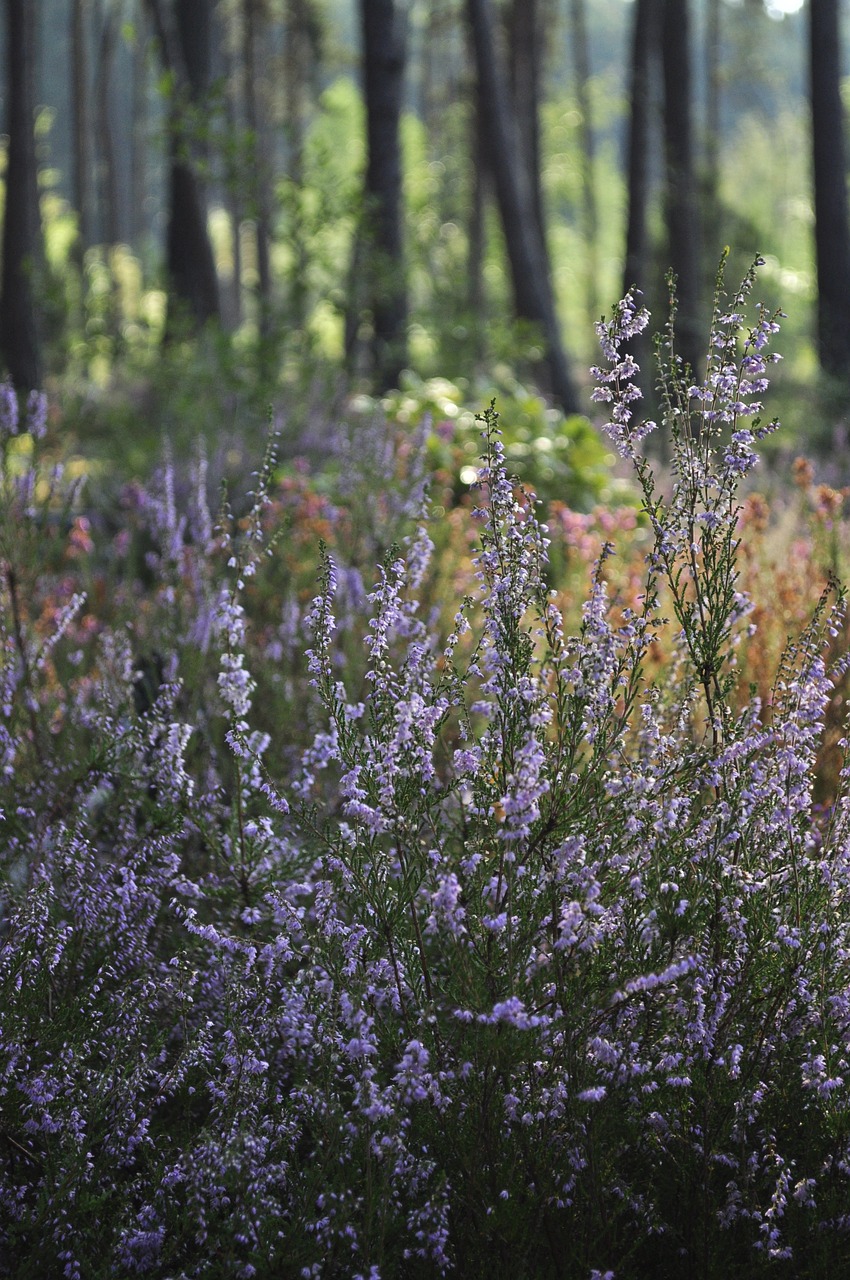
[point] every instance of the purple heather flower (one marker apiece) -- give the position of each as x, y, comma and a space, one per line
8, 409
36, 415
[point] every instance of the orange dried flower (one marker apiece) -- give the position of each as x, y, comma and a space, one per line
802, 472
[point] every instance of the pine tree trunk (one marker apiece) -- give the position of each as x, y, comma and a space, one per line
191, 267
589, 215
108, 175
384, 40
644, 53
22, 248
190, 263
712, 107
139, 139
524, 55
256, 121
681, 205
527, 254
645, 38
481, 182
81, 129
233, 192
296, 82
832, 234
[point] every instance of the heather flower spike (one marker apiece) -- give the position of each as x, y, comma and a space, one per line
617, 386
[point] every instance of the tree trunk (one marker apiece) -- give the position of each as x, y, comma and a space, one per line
524, 54
255, 116
190, 258
384, 39
681, 206
712, 108
22, 248
527, 254
590, 220
299, 55
108, 175
434, 53
645, 34
185, 47
481, 167
233, 191
191, 267
81, 129
644, 48
139, 139
832, 234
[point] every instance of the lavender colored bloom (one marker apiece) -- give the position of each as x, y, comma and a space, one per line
8, 409
447, 910
616, 385
36, 415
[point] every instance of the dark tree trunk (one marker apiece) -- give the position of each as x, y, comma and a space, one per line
481, 181
255, 115
233, 193
300, 46
298, 57
108, 173
712, 107
384, 40
681, 205
139, 139
581, 63
645, 35
81, 129
526, 248
524, 56
193, 24
644, 51
433, 57
191, 265
185, 46
832, 233
22, 249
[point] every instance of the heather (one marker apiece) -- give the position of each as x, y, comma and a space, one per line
403, 883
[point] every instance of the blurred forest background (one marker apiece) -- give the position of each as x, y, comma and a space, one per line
211, 205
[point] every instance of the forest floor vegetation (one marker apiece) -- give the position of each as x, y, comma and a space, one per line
398, 879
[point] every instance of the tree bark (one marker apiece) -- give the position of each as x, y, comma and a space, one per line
832, 232
590, 220
384, 50
681, 205
299, 57
480, 164
712, 107
524, 54
189, 257
526, 248
434, 55
81, 129
22, 246
255, 117
139, 139
233, 191
645, 35
107, 175
191, 267
644, 51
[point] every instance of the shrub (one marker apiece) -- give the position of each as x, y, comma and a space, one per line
533, 962
559, 457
